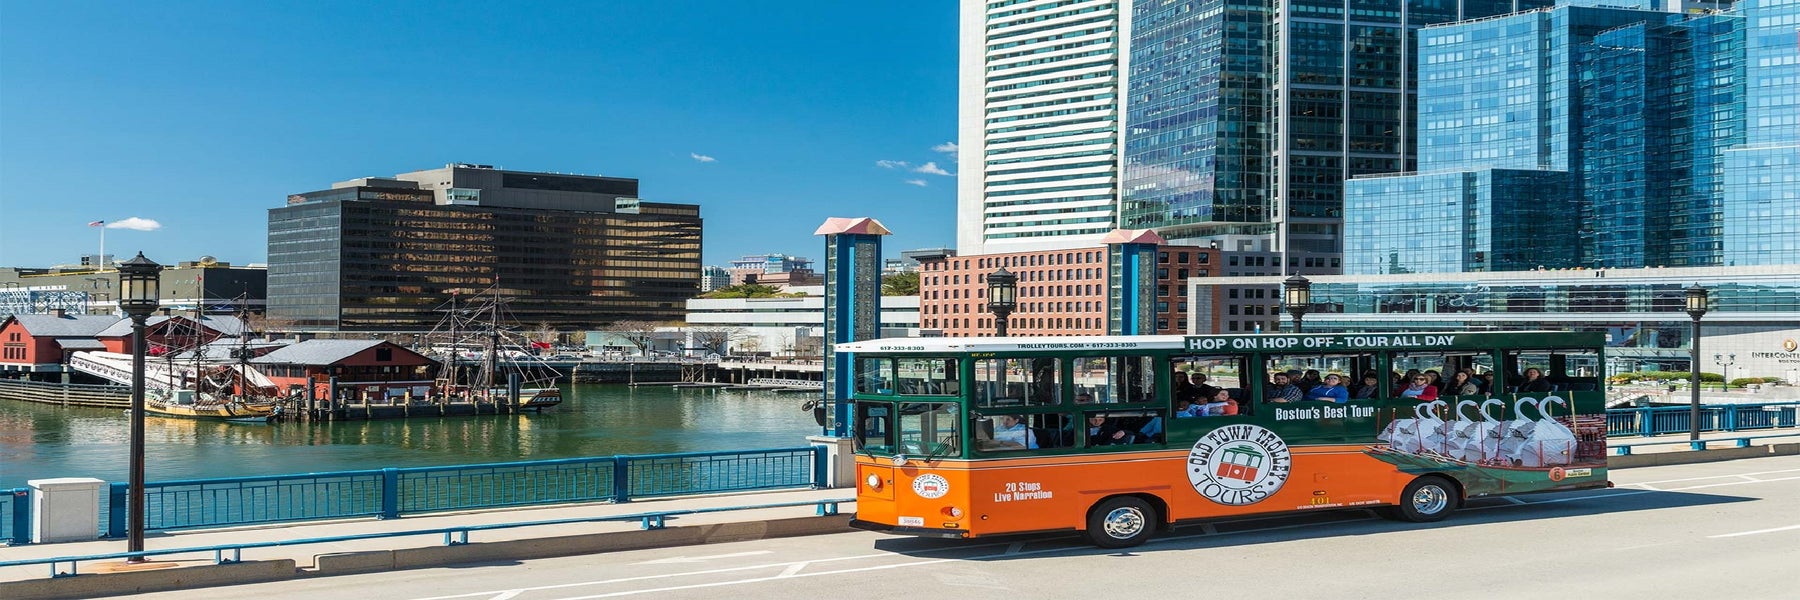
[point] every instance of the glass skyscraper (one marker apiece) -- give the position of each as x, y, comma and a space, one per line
1621, 116
1761, 221
1245, 117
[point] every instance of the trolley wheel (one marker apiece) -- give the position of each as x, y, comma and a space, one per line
1121, 522
1426, 499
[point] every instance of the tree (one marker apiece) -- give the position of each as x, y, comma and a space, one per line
717, 338
750, 345
748, 290
639, 333
900, 283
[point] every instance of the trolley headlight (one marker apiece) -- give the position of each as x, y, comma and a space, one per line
874, 482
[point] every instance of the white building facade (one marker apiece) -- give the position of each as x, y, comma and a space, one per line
1039, 114
791, 327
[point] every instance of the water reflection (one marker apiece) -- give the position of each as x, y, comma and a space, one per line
40, 441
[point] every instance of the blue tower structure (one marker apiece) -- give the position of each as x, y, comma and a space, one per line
1131, 281
852, 304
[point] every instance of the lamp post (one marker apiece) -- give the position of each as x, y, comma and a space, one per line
1696, 308
1725, 363
1003, 290
1296, 296
139, 280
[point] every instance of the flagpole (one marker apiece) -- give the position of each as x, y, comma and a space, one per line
102, 259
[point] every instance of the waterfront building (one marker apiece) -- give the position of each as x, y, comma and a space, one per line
1060, 292
1038, 112
1752, 325
39, 345
207, 284
1595, 137
567, 251
783, 327
373, 371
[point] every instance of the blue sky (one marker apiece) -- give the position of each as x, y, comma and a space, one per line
201, 116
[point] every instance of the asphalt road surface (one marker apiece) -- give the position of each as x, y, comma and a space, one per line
1719, 530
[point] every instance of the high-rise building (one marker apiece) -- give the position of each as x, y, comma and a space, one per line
567, 251
1038, 123
1583, 136
1761, 221
1231, 121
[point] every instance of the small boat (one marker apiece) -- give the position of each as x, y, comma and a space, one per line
262, 420
189, 404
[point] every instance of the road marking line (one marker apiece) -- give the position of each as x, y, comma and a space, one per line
793, 569
1513, 500
1717, 476
507, 595
695, 559
1727, 535
1014, 548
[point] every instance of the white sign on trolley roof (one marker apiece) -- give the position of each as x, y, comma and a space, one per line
938, 345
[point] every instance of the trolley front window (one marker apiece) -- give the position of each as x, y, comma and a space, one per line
912, 428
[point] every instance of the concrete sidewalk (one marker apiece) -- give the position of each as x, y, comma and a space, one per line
103, 578
506, 545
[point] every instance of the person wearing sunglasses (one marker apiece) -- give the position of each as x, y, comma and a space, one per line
1420, 389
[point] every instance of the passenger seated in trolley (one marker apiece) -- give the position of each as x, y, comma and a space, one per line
1102, 431
1010, 433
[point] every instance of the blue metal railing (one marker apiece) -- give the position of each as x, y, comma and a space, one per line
1659, 420
390, 493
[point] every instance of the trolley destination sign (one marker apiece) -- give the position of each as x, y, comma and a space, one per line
1265, 342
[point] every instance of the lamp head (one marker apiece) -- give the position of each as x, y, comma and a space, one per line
139, 286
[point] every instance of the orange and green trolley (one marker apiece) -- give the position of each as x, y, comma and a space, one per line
1120, 436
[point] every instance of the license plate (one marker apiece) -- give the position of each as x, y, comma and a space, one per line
912, 521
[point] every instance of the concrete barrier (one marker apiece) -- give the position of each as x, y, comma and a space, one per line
1688, 457
94, 585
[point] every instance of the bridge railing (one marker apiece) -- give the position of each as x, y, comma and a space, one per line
1660, 420
395, 492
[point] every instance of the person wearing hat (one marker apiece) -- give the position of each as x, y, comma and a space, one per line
1283, 389
1330, 390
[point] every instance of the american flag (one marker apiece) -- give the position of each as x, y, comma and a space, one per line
96, 223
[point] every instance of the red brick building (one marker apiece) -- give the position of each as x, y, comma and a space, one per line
366, 369
1061, 292
42, 343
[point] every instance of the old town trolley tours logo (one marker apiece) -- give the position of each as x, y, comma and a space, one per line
1237, 465
931, 485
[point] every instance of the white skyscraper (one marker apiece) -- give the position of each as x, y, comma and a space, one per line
1038, 117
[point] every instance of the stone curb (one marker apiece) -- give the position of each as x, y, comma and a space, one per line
1654, 459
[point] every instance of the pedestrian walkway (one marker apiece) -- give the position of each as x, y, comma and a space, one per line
705, 527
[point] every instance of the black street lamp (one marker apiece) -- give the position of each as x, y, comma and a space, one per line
1003, 290
1297, 295
139, 295
1696, 308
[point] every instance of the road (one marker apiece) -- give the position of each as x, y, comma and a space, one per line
1718, 530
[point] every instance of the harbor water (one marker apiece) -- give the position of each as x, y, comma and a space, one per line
42, 441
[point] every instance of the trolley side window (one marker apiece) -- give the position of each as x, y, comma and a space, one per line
1012, 382
926, 377
1109, 379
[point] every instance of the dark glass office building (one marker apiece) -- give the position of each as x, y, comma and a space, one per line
568, 251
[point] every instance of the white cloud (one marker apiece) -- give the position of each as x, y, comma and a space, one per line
892, 164
702, 157
946, 148
917, 182
931, 168
135, 224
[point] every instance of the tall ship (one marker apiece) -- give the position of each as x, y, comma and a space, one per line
483, 358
